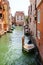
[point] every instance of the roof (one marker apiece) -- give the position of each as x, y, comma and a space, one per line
19, 13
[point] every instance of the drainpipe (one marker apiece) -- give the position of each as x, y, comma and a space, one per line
36, 17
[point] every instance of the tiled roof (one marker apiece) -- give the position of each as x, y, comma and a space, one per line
19, 13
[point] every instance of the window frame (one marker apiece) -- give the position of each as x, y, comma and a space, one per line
17, 17
38, 34
38, 16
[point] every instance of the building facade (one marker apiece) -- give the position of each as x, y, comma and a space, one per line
35, 13
32, 16
1, 18
19, 16
10, 20
39, 5
4, 17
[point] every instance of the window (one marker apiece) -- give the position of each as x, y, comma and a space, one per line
3, 16
38, 34
35, 18
0, 7
0, 27
35, 4
31, 8
3, 8
0, 15
38, 16
22, 17
17, 17
30, 20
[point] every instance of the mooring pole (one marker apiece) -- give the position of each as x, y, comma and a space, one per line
22, 42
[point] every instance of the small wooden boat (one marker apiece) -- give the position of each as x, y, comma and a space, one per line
28, 47
10, 31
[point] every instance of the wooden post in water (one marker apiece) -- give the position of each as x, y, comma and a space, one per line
0, 35
22, 42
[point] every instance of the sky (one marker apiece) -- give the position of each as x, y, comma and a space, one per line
19, 5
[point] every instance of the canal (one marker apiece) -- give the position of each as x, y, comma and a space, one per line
11, 49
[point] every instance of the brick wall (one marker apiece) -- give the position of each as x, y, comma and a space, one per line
40, 28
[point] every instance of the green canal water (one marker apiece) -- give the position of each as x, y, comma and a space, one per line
11, 49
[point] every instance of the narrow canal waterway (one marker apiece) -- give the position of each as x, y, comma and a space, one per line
11, 49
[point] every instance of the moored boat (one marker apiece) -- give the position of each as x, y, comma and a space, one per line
28, 47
